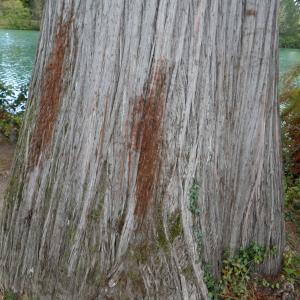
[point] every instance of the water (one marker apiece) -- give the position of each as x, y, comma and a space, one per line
17, 52
288, 58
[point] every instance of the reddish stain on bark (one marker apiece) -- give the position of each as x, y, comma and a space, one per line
146, 135
51, 88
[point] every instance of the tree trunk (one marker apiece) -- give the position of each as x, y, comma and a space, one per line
150, 145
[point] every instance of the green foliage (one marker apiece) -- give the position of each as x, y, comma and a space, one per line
6, 92
292, 196
28, 3
214, 286
236, 273
12, 107
13, 15
10, 124
9, 101
290, 108
291, 266
252, 254
292, 193
288, 18
9, 296
35, 7
289, 41
194, 195
267, 284
289, 24
236, 270
290, 125
292, 199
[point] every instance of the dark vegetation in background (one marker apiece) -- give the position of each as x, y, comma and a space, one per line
289, 19
20, 14
35, 6
290, 124
290, 115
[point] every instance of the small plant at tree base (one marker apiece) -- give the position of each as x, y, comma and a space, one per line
267, 284
9, 296
213, 286
236, 271
291, 266
292, 193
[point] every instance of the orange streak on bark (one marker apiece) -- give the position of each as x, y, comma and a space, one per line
50, 95
147, 136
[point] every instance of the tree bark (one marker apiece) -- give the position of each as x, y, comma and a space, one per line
150, 145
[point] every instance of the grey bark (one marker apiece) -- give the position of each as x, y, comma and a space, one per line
150, 145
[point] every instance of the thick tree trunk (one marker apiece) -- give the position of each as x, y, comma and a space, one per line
151, 144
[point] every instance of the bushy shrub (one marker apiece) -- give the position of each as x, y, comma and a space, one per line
289, 41
12, 106
14, 15
290, 115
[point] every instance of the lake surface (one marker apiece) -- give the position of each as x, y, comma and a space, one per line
17, 52
288, 58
